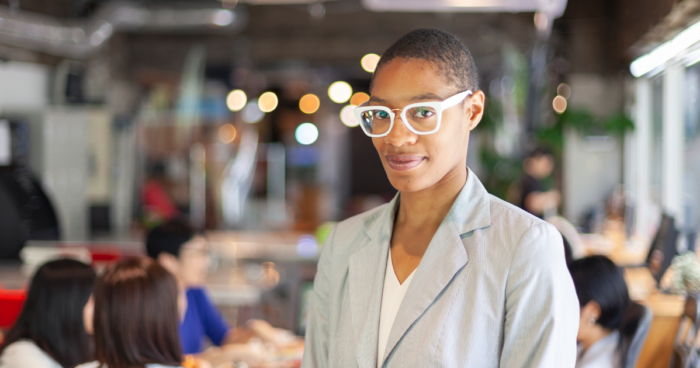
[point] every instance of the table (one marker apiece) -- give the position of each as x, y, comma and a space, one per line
667, 309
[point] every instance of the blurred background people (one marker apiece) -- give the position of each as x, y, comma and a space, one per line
50, 332
176, 246
136, 315
604, 299
183, 252
539, 195
157, 205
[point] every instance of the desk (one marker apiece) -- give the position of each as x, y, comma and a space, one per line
667, 309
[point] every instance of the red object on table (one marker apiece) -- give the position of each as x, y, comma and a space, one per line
11, 302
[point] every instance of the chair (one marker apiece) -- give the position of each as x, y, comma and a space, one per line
685, 348
634, 330
11, 302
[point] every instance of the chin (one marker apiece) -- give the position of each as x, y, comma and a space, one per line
407, 183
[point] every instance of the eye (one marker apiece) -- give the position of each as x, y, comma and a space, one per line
381, 114
423, 112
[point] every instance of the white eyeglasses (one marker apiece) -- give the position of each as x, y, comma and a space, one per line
423, 117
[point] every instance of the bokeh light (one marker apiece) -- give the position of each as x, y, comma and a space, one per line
359, 98
559, 104
309, 103
564, 90
236, 99
227, 133
306, 133
251, 112
268, 102
347, 116
340, 92
369, 62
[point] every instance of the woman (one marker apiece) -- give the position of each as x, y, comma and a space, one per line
445, 275
49, 332
603, 297
136, 317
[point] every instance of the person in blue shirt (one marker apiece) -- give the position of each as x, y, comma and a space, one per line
182, 251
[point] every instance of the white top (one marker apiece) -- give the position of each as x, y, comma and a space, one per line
96, 364
392, 297
604, 353
25, 353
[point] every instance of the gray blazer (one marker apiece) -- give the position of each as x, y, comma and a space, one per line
492, 290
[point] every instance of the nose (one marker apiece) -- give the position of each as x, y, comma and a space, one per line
400, 135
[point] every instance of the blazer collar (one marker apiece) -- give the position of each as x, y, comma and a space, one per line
470, 211
444, 258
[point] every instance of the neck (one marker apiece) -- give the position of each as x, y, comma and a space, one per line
594, 335
430, 206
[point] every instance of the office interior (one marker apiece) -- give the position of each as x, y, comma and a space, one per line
237, 116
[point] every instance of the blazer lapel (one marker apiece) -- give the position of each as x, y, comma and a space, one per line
445, 257
366, 283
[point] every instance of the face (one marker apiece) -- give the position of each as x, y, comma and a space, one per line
194, 262
540, 166
88, 313
415, 162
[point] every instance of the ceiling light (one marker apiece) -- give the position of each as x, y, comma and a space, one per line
227, 133
559, 104
369, 62
666, 51
306, 133
347, 116
340, 92
309, 103
358, 98
236, 99
268, 102
251, 113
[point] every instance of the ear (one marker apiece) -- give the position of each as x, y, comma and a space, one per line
474, 109
591, 310
169, 262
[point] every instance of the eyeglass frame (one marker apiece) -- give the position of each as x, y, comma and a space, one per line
439, 107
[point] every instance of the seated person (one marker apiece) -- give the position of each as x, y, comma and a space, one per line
179, 249
603, 297
135, 316
49, 332
539, 195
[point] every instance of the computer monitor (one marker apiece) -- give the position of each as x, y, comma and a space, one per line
663, 248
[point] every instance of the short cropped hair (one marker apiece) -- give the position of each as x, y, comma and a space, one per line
168, 237
446, 51
598, 278
136, 315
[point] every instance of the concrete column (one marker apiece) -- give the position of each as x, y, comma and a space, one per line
672, 199
642, 157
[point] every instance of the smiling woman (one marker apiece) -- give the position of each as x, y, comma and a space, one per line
445, 274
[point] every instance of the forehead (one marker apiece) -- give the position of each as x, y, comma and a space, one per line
403, 78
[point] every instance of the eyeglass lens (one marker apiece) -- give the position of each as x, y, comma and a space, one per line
421, 118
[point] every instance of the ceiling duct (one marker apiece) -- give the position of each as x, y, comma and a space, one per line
78, 39
553, 8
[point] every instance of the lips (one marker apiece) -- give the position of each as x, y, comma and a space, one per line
404, 162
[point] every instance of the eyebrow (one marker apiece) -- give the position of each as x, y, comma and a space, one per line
422, 97
426, 96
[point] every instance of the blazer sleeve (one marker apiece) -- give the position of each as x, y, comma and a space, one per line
542, 311
317, 329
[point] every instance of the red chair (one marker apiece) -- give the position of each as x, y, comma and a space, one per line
11, 302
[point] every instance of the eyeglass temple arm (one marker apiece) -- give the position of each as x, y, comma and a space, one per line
456, 99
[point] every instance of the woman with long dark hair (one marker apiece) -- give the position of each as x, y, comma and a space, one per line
603, 297
136, 317
49, 332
